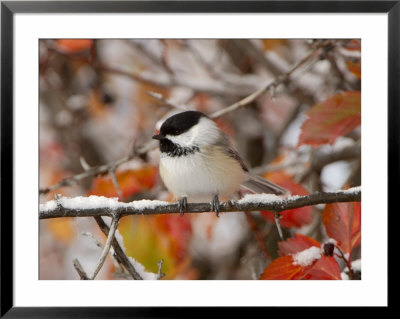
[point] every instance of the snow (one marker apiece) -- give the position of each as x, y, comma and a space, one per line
259, 198
331, 241
120, 240
356, 265
137, 265
141, 270
342, 142
353, 189
307, 256
50, 205
335, 175
95, 202
146, 204
344, 276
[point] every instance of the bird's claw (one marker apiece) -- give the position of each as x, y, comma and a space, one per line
215, 205
182, 204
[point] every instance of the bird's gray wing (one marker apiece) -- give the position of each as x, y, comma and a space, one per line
258, 185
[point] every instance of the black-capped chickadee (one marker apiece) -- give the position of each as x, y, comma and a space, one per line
197, 161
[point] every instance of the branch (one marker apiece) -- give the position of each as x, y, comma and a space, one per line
96, 206
107, 246
102, 169
319, 160
272, 85
119, 253
79, 269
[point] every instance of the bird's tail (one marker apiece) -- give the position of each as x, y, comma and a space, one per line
258, 185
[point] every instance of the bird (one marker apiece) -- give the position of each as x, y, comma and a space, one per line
198, 161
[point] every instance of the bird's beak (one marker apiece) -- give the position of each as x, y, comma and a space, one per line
158, 137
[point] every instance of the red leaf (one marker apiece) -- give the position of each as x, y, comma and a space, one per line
356, 230
178, 230
293, 217
325, 268
343, 223
334, 117
283, 268
296, 244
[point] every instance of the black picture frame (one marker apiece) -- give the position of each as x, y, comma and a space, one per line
9, 8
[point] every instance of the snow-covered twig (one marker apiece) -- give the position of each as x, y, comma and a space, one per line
96, 206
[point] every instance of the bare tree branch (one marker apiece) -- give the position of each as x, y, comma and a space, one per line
278, 80
119, 253
160, 274
80, 270
106, 249
99, 170
274, 204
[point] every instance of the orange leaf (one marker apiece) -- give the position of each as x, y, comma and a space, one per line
130, 182
343, 223
293, 217
334, 117
272, 44
296, 244
74, 45
63, 229
354, 67
148, 239
353, 45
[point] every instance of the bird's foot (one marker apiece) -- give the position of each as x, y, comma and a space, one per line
215, 205
182, 204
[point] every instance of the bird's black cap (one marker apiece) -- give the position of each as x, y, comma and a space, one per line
180, 123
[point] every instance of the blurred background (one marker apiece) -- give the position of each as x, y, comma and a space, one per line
102, 100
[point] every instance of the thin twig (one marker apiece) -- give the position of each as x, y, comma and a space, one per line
160, 274
159, 97
90, 235
259, 237
347, 261
114, 180
106, 249
112, 253
78, 267
278, 225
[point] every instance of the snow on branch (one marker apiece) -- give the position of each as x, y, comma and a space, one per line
95, 206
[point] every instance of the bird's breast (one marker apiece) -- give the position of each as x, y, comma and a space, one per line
206, 172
